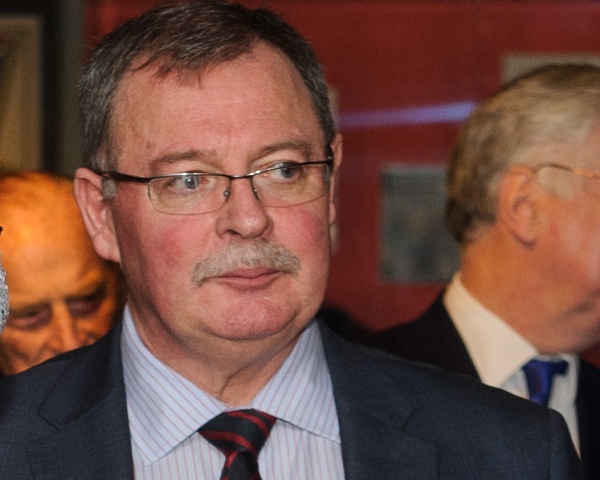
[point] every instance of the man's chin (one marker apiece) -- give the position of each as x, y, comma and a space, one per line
261, 329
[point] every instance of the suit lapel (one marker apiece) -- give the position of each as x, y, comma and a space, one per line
88, 449
373, 414
87, 408
375, 446
439, 342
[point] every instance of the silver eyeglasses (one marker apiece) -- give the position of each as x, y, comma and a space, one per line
568, 168
192, 193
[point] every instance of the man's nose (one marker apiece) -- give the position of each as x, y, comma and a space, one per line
243, 214
65, 332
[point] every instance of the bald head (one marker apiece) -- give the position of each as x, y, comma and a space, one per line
62, 294
37, 209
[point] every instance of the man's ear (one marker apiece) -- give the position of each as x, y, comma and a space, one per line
336, 147
518, 207
96, 213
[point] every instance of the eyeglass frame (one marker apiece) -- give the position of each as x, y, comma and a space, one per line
124, 177
567, 168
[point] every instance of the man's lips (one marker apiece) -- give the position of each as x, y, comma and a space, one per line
250, 277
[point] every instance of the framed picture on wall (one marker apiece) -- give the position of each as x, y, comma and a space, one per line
41, 51
20, 92
415, 246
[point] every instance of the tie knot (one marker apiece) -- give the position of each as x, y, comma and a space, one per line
540, 375
239, 431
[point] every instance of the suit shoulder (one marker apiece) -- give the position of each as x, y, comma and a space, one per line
34, 382
21, 396
427, 387
64, 379
464, 420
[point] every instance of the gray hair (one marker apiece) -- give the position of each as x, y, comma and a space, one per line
181, 37
553, 104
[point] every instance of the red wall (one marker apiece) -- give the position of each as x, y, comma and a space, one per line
402, 54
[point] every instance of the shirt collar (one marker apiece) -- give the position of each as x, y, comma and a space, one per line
495, 348
165, 408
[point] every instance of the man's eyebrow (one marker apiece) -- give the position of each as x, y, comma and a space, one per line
197, 154
100, 289
298, 145
174, 157
27, 309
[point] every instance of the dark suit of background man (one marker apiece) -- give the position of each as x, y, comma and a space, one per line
226, 268
523, 201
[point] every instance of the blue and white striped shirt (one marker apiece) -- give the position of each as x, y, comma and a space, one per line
165, 411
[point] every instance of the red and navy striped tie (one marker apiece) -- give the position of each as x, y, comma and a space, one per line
239, 434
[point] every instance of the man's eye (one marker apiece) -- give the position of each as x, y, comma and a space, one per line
30, 319
190, 183
88, 305
289, 171
182, 182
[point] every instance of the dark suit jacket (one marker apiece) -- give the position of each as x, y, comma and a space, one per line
433, 338
67, 419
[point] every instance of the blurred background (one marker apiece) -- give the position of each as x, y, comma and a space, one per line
403, 75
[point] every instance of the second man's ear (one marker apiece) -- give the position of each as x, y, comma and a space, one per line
518, 207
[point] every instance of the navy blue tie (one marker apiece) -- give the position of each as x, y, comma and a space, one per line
539, 375
240, 435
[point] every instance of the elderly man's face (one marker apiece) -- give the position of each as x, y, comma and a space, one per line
248, 114
63, 295
567, 249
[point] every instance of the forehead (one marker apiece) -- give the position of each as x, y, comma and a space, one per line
41, 226
40, 269
49, 219
247, 103
54, 238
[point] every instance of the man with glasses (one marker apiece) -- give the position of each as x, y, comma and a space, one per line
523, 202
212, 158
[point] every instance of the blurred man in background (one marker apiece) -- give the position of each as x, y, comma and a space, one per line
62, 294
523, 202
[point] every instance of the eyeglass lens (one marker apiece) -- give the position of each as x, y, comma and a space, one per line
194, 193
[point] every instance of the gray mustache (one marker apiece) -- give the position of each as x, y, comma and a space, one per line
260, 253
